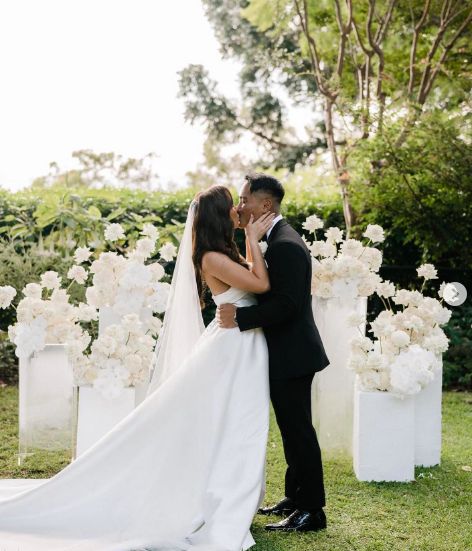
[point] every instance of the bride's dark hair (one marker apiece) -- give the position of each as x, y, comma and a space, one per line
213, 230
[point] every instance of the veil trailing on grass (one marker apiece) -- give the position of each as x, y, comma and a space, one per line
183, 322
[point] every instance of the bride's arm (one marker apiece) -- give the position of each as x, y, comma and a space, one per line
223, 268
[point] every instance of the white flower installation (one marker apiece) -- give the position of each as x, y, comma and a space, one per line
404, 354
120, 357
344, 268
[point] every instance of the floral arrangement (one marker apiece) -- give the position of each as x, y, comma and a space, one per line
404, 354
133, 291
345, 268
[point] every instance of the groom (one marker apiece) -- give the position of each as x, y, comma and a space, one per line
296, 353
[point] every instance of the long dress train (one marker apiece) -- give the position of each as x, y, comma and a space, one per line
184, 471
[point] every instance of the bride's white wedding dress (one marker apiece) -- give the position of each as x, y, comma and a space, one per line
185, 470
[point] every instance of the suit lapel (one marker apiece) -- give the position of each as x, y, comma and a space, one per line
275, 229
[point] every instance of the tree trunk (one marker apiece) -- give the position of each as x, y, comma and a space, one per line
339, 167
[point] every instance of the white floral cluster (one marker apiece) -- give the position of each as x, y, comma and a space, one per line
126, 283
122, 282
45, 315
344, 268
120, 357
404, 353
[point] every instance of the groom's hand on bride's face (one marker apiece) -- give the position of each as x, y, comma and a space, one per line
225, 316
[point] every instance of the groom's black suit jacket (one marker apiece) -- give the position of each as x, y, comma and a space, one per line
285, 312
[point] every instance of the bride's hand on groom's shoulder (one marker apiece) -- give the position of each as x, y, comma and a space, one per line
226, 316
257, 229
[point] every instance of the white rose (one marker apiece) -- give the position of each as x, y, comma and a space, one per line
428, 271
313, 223
263, 246
113, 232
375, 233
150, 231
51, 280
78, 274
82, 254
7, 294
168, 251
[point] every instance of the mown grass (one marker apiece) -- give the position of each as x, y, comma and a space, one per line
433, 513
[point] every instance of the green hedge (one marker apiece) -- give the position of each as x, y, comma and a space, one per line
38, 228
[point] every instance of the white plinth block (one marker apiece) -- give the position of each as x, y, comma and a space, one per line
47, 402
97, 415
333, 387
384, 431
428, 423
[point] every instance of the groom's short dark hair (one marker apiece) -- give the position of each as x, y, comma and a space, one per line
258, 181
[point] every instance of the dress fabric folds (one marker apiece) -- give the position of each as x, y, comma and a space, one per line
184, 471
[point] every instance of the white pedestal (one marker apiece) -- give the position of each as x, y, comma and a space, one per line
98, 415
383, 444
333, 387
47, 402
428, 423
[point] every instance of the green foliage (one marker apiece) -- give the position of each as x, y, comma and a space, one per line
361, 516
458, 359
420, 193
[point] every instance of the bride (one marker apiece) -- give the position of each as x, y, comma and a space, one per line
186, 469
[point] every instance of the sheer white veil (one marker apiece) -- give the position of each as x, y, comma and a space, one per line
183, 322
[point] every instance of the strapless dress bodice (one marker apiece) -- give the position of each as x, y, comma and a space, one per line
235, 296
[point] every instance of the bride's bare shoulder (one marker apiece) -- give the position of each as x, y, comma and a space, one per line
213, 258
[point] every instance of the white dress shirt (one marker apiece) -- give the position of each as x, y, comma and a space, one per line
276, 219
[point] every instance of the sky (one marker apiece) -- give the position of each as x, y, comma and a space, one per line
101, 75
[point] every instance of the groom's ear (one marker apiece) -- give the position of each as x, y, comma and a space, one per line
268, 205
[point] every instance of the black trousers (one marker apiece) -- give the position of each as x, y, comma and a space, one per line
291, 399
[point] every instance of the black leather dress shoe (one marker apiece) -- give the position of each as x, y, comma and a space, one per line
283, 508
300, 521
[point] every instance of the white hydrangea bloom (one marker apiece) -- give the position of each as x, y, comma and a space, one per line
78, 274
168, 251
150, 231
157, 271
33, 290
7, 294
375, 233
351, 247
51, 280
400, 338
145, 247
334, 235
428, 271
82, 254
313, 223
385, 289
114, 232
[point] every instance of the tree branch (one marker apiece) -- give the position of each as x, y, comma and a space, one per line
312, 48
414, 46
446, 50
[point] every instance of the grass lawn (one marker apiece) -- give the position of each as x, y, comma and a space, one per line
432, 513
